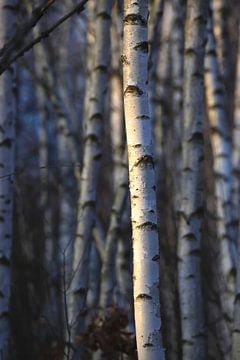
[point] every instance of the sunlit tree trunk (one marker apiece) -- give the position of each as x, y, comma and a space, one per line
7, 154
91, 167
142, 182
191, 211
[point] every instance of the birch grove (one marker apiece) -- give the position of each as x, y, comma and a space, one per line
119, 179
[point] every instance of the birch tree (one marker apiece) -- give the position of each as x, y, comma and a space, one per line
7, 152
236, 160
191, 211
91, 166
142, 182
222, 152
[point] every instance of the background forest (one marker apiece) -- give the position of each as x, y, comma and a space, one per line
98, 97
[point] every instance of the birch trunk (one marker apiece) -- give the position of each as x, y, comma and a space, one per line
7, 154
58, 256
142, 182
91, 167
236, 150
222, 163
108, 278
236, 160
177, 49
191, 212
221, 17
51, 304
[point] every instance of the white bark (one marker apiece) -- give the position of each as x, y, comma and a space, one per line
7, 152
236, 161
222, 163
142, 182
191, 212
236, 150
108, 278
91, 166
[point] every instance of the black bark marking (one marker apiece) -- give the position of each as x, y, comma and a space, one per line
124, 60
97, 157
101, 68
104, 15
137, 145
156, 258
142, 46
145, 159
96, 117
92, 137
134, 90
7, 142
143, 297
190, 52
195, 252
211, 52
143, 117
196, 136
90, 203
135, 19
4, 260
189, 237
80, 291
147, 225
146, 345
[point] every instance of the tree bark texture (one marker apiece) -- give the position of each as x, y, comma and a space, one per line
142, 181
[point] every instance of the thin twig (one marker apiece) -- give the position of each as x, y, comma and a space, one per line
16, 41
4, 65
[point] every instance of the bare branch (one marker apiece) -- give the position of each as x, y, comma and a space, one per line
6, 62
16, 41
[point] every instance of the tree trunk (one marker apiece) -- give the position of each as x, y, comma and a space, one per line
91, 168
191, 212
142, 182
7, 155
222, 151
236, 160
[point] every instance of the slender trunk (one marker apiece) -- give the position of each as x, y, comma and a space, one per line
191, 212
236, 160
142, 181
221, 30
177, 49
221, 145
7, 153
108, 278
236, 150
91, 168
